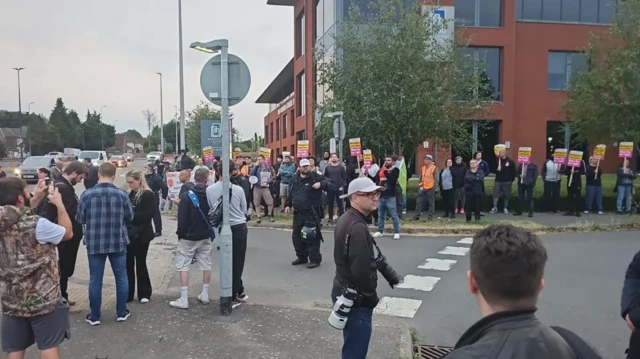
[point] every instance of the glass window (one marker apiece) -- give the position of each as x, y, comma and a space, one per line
363, 5
329, 10
301, 100
490, 57
605, 11
284, 126
277, 129
266, 135
551, 10
589, 11
303, 36
320, 19
490, 13
292, 127
465, 12
532, 9
299, 48
562, 66
570, 11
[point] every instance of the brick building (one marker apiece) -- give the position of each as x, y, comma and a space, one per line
530, 50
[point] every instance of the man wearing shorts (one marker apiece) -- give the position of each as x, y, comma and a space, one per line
505, 175
33, 310
264, 173
286, 172
194, 240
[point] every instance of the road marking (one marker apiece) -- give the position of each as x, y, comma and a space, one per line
442, 265
454, 251
467, 240
398, 307
417, 282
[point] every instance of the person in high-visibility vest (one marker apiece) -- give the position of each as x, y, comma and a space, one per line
427, 189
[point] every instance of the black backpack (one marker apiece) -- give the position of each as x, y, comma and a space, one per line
215, 213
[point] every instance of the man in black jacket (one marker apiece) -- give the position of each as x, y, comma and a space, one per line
505, 175
574, 190
157, 186
506, 269
68, 250
92, 174
354, 256
526, 183
305, 198
630, 305
336, 172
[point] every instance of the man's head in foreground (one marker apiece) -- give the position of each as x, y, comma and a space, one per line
507, 266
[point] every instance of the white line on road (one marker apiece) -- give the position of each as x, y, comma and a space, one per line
398, 307
416, 282
454, 251
467, 240
442, 265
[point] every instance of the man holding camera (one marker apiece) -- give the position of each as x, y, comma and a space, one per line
356, 265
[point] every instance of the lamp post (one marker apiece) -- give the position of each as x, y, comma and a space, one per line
101, 126
181, 66
18, 69
29, 107
222, 46
175, 148
161, 117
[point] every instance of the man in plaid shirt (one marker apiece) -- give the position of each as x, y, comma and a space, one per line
105, 211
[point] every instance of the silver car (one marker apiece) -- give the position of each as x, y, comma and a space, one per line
28, 170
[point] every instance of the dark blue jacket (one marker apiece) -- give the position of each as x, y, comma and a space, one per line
156, 184
191, 225
484, 167
630, 301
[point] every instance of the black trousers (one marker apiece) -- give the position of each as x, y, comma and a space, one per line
304, 251
137, 267
67, 255
331, 197
525, 196
574, 200
157, 217
448, 197
633, 352
472, 204
239, 233
550, 195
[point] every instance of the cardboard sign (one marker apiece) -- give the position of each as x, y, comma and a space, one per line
524, 155
560, 156
575, 159
266, 153
599, 151
367, 158
208, 154
174, 184
497, 148
625, 150
355, 146
286, 153
303, 149
264, 178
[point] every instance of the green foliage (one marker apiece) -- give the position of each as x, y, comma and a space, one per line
3, 149
202, 111
394, 83
133, 134
604, 103
168, 148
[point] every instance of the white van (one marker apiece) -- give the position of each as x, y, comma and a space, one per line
97, 157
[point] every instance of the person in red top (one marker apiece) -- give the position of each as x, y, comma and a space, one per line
387, 177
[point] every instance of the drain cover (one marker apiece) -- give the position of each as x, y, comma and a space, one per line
431, 351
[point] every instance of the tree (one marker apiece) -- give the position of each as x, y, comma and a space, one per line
150, 117
59, 119
131, 133
395, 84
604, 102
203, 111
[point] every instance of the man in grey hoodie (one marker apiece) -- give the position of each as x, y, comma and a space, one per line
285, 173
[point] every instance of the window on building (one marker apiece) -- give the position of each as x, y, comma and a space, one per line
278, 130
488, 61
483, 13
301, 135
560, 135
284, 126
562, 66
271, 132
329, 14
266, 135
320, 18
301, 101
284, 149
292, 127
300, 36
576, 11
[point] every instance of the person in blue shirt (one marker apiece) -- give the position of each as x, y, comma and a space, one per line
158, 187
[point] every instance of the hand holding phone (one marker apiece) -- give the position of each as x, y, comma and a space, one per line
49, 183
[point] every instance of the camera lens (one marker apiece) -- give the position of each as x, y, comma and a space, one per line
392, 277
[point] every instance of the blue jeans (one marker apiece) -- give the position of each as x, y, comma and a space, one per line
624, 192
388, 204
404, 202
593, 193
96, 274
357, 334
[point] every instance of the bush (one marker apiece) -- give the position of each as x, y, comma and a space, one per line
608, 194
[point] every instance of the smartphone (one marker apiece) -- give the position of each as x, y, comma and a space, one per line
49, 183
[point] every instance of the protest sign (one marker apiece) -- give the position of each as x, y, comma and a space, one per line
625, 150
208, 154
560, 156
303, 149
524, 155
355, 146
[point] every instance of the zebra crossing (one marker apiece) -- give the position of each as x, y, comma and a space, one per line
421, 281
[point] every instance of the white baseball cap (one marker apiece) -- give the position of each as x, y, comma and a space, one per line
362, 185
304, 162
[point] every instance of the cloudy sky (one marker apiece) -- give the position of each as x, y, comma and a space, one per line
94, 53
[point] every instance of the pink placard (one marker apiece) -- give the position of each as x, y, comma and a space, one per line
356, 152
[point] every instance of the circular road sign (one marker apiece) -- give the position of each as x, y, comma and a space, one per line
239, 80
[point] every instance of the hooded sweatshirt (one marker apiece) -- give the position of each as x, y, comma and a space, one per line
191, 225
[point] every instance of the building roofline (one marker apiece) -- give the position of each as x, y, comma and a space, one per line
281, 2
280, 87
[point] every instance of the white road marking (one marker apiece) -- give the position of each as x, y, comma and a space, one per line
442, 265
467, 240
454, 251
416, 282
398, 307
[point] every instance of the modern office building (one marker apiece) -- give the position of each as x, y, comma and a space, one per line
530, 50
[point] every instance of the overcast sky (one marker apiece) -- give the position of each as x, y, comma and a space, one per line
94, 53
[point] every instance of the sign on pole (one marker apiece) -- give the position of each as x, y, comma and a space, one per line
575, 159
625, 150
266, 153
302, 149
208, 154
239, 80
498, 147
355, 146
560, 156
211, 135
524, 155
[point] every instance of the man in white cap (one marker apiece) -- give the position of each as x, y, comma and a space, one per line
355, 265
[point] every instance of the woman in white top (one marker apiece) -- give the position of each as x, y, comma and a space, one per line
199, 165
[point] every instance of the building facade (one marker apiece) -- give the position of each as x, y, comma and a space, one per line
530, 50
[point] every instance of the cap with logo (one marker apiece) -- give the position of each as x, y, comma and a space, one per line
304, 162
362, 185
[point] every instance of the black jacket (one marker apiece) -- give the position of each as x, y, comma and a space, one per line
530, 175
630, 301
301, 194
484, 167
243, 182
337, 175
92, 177
474, 183
507, 171
187, 163
590, 175
458, 171
576, 181
70, 201
191, 225
390, 183
516, 334
355, 265
156, 184
143, 211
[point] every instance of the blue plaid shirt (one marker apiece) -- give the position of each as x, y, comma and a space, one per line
105, 211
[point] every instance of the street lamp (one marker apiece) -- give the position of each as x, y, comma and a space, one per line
161, 116
18, 69
29, 107
175, 148
222, 45
101, 126
181, 66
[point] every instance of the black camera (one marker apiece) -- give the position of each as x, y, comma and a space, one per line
387, 271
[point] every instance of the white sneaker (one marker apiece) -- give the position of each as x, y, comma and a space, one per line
600, 212
396, 236
203, 299
377, 235
335, 217
144, 300
586, 212
179, 303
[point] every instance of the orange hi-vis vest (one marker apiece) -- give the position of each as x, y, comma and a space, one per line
428, 180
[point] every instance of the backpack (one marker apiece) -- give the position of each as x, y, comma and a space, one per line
580, 348
215, 213
196, 203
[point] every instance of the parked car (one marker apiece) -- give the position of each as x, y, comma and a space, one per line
55, 155
153, 156
128, 157
97, 157
28, 170
119, 161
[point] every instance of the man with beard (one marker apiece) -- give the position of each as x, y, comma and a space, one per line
68, 250
305, 196
387, 177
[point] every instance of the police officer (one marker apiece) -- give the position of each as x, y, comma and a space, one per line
305, 197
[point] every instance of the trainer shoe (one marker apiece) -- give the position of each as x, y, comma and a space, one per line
242, 297
179, 303
92, 323
235, 303
396, 236
144, 300
377, 235
203, 299
124, 317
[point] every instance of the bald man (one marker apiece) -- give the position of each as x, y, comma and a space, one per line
185, 178
56, 172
